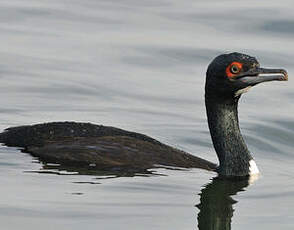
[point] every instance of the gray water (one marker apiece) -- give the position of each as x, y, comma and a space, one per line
140, 65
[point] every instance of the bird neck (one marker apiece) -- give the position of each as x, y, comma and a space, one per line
233, 154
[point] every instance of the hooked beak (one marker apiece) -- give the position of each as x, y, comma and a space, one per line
259, 75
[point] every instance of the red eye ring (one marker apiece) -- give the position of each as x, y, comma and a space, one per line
233, 69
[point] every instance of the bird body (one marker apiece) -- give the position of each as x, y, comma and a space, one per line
83, 144
98, 146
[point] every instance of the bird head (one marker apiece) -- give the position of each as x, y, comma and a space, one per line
230, 75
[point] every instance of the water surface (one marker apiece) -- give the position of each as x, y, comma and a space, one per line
140, 65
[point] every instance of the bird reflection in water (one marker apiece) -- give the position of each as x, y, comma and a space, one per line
216, 202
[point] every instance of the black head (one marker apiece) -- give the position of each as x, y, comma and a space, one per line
229, 75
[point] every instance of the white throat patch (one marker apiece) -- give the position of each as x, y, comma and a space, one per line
253, 168
241, 91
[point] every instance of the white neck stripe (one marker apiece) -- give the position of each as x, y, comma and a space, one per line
253, 168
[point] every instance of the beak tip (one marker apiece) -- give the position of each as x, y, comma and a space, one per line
285, 78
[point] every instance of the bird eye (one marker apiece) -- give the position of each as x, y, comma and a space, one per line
235, 69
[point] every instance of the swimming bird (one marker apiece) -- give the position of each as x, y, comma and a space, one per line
84, 144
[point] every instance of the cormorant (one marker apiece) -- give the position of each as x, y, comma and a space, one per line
109, 148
